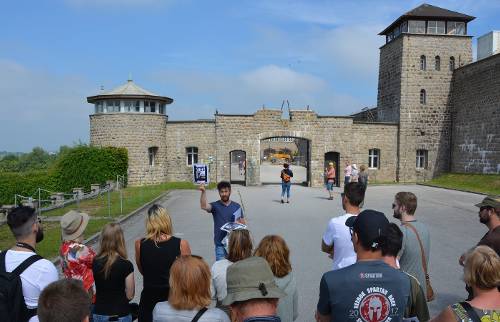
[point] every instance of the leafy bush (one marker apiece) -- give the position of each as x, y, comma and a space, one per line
85, 165
80, 166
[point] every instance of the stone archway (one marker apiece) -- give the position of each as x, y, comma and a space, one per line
279, 147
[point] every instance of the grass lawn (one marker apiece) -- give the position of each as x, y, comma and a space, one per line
483, 183
133, 198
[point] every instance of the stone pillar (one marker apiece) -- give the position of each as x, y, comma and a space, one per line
95, 188
77, 193
57, 198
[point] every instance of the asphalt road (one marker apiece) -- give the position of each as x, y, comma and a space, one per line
450, 215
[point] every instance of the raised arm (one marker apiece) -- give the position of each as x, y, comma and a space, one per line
138, 254
203, 199
185, 249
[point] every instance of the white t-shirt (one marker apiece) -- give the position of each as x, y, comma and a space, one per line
219, 284
35, 278
338, 234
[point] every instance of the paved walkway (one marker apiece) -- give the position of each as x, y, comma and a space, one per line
450, 216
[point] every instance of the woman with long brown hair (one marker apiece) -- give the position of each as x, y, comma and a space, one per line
274, 250
154, 256
189, 295
114, 277
240, 247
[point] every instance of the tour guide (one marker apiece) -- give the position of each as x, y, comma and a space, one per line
223, 211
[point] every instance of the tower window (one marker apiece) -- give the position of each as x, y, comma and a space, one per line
191, 155
435, 27
152, 152
416, 26
437, 63
455, 28
373, 158
423, 63
423, 97
128, 106
137, 106
452, 63
421, 161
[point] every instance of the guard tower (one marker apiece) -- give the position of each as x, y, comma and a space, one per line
134, 118
423, 47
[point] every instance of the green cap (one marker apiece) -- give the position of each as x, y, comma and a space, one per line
251, 278
490, 201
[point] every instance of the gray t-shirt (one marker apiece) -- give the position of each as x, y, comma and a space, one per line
164, 312
410, 259
364, 291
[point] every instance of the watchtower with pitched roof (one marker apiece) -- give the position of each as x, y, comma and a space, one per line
423, 47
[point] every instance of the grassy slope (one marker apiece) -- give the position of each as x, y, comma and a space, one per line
483, 183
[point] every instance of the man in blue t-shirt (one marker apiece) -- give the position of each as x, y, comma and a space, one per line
223, 211
369, 290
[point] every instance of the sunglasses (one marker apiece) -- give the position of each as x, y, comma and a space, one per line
485, 207
351, 231
393, 205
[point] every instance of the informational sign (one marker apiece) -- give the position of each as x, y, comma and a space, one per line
200, 174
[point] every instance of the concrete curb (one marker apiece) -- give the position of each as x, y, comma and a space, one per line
92, 239
461, 190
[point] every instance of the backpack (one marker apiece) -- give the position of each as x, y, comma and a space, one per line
12, 305
285, 176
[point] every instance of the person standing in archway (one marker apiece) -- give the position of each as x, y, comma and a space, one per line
286, 182
330, 179
347, 172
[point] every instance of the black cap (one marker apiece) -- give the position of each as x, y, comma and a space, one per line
370, 226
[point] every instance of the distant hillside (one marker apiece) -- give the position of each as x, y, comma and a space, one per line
4, 153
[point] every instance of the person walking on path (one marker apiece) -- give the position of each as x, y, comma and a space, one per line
275, 251
368, 290
286, 176
114, 277
159, 246
190, 295
76, 257
336, 240
482, 274
223, 211
347, 172
330, 179
415, 234
354, 173
363, 176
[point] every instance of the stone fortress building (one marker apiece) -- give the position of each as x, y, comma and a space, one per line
437, 111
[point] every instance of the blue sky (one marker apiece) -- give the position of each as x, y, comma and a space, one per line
233, 56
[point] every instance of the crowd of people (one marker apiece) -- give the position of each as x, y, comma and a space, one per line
379, 269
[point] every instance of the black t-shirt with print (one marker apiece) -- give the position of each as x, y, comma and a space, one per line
367, 291
110, 293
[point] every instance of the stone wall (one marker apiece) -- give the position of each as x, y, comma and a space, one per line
422, 126
136, 132
339, 134
476, 117
183, 134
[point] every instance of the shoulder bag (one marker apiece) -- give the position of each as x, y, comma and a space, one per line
430, 296
199, 314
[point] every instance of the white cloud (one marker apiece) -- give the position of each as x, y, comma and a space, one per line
41, 109
198, 94
278, 80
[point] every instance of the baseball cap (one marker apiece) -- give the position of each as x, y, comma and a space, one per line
370, 225
250, 278
490, 201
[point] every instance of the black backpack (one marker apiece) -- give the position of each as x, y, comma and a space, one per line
12, 305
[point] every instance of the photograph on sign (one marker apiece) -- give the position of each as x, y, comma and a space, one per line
200, 174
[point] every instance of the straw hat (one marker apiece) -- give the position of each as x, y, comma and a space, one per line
73, 224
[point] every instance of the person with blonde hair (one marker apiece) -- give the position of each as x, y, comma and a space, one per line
240, 247
114, 277
189, 294
275, 251
154, 255
482, 274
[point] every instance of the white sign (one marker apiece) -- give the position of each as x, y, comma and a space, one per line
200, 174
